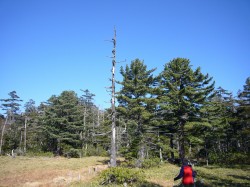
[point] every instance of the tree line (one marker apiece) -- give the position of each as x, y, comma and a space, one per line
174, 115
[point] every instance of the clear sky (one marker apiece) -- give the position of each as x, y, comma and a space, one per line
48, 46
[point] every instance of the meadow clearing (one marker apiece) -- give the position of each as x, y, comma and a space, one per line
59, 171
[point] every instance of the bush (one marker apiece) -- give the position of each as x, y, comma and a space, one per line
73, 153
153, 162
120, 175
147, 163
95, 151
229, 158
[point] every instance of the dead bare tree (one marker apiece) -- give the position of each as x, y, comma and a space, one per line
25, 134
113, 116
2, 134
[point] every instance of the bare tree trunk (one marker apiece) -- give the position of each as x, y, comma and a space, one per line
98, 117
1, 142
84, 117
190, 149
181, 142
172, 146
25, 133
113, 129
86, 149
21, 140
161, 158
160, 152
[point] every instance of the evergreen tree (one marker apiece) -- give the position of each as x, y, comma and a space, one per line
216, 138
63, 123
11, 105
184, 93
32, 128
10, 135
243, 114
136, 105
90, 124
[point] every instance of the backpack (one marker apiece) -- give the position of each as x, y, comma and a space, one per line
187, 178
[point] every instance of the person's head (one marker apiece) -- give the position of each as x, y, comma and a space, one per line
185, 161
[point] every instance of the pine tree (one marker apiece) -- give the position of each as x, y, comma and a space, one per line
216, 137
90, 121
63, 123
11, 105
32, 128
243, 114
135, 105
12, 137
184, 92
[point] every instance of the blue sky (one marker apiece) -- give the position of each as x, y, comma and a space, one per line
48, 46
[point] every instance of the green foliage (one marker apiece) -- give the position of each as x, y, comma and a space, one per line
178, 110
146, 163
63, 123
136, 105
120, 175
149, 163
183, 94
229, 158
73, 153
95, 151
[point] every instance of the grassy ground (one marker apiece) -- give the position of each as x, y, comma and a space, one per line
45, 171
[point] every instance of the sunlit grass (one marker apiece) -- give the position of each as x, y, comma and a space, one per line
79, 172
221, 176
21, 170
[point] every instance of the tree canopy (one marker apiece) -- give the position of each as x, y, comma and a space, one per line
172, 115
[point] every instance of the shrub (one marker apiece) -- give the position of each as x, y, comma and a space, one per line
147, 163
73, 153
153, 162
120, 175
229, 158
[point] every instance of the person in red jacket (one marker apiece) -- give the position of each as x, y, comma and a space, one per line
187, 174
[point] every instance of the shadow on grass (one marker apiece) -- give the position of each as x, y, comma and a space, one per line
242, 167
215, 181
197, 184
148, 184
240, 177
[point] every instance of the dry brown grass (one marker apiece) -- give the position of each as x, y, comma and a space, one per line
44, 171
57, 171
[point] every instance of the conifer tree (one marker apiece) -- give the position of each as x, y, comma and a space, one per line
63, 123
32, 129
243, 114
11, 105
135, 104
215, 137
184, 93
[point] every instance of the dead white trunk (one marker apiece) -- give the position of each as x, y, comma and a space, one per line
21, 140
25, 133
113, 129
160, 152
98, 117
84, 117
3, 129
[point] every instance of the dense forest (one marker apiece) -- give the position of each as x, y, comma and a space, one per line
170, 116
